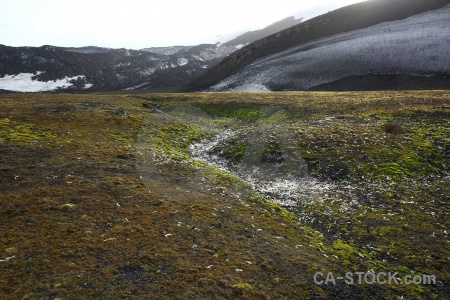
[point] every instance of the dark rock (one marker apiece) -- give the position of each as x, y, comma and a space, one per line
154, 108
393, 128
272, 157
136, 274
150, 105
332, 171
125, 156
273, 153
121, 112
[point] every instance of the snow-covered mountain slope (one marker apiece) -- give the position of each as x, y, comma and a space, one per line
343, 20
97, 68
49, 68
419, 45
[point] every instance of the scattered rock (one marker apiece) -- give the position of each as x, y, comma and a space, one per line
68, 206
273, 153
333, 171
120, 112
135, 274
272, 157
224, 283
154, 108
7, 259
109, 240
156, 203
393, 128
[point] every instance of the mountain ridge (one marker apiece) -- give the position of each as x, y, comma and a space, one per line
105, 69
273, 28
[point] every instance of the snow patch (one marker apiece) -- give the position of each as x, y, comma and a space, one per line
136, 87
147, 72
166, 50
182, 61
251, 88
24, 82
122, 64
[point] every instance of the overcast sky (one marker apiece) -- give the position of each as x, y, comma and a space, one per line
137, 24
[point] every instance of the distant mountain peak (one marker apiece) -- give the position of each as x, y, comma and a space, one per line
252, 36
223, 38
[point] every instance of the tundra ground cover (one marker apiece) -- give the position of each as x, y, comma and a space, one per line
102, 198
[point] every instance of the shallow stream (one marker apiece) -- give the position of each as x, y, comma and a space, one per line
285, 181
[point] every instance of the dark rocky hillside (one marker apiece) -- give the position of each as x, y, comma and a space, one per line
386, 82
105, 69
346, 19
255, 35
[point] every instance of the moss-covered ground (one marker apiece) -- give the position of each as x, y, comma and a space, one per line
100, 198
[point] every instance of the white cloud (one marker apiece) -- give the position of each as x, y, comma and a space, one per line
141, 23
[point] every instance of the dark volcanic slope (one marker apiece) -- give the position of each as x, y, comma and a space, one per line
255, 35
346, 19
417, 46
373, 82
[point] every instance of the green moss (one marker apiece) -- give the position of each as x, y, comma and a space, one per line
275, 207
5, 121
272, 115
344, 250
11, 250
23, 132
238, 111
390, 171
135, 119
241, 288
121, 137
235, 150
